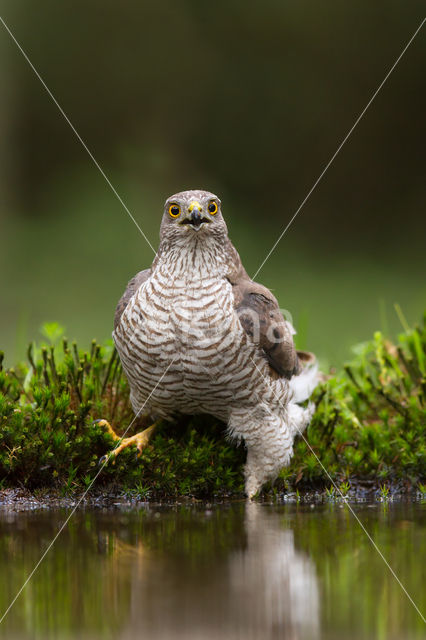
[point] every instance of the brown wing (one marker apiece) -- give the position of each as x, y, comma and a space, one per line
131, 288
262, 319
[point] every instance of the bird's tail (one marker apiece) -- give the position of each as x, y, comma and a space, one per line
305, 382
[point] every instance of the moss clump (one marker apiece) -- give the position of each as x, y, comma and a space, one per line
48, 438
369, 424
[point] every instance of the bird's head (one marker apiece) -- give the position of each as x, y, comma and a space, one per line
192, 213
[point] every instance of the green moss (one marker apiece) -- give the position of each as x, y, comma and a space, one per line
369, 424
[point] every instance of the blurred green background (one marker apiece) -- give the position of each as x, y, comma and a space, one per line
249, 100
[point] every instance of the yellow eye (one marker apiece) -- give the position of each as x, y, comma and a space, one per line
174, 210
212, 207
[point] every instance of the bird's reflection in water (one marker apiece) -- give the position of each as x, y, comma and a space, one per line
258, 587
273, 586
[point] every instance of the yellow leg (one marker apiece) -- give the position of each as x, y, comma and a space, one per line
140, 439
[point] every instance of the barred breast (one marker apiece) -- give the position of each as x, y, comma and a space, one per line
180, 341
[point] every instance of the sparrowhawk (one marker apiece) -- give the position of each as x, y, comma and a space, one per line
196, 335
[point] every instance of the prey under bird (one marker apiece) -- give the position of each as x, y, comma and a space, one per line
196, 335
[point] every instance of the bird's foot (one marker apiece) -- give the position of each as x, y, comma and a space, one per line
140, 439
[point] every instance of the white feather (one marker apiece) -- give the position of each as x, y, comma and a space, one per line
303, 384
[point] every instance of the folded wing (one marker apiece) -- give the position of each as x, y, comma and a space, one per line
263, 321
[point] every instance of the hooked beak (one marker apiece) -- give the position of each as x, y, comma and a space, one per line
195, 218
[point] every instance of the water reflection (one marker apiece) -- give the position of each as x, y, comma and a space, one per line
263, 588
274, 588
232, 571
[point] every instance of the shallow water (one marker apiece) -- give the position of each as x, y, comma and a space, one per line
229, 571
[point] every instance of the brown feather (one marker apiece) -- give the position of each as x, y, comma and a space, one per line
262, 319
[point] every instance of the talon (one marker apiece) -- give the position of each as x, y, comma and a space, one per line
140, 440
103, 459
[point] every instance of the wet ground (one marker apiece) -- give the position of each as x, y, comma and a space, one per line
231, 570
